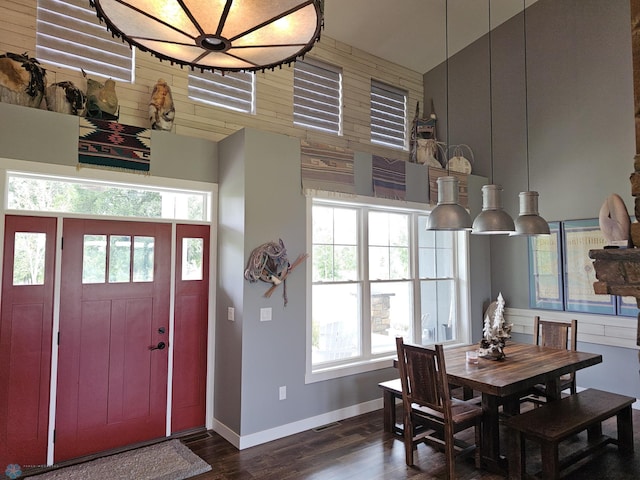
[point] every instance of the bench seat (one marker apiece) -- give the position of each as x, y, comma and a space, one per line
554, 422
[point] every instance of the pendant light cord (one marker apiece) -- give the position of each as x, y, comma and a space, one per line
526, 86
446, 60
490, 95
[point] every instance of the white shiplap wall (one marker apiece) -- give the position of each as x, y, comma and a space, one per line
274, 89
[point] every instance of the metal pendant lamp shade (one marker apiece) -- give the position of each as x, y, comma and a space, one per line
222, 35
493, 220
448, 214
529, 222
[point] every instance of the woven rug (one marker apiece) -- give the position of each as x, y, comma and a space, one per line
169, 460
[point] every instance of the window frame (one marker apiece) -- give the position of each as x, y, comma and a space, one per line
316, 122
220, 90
90, 46
368, 361
376, 121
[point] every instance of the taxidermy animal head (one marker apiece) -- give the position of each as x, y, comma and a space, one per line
161, 109
22, 80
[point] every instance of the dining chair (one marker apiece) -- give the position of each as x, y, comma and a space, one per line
431, 414
554, 334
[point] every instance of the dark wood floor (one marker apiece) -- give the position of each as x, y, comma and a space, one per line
357, 449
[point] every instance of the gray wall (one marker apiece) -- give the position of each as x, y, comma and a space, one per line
579, 97
41, 136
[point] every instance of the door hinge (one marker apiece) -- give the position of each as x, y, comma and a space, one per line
61, 243
58, 337
54, 435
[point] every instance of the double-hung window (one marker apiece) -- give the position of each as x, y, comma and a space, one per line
377, 273
69, 34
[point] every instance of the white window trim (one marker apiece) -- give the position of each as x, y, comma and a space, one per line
463, 333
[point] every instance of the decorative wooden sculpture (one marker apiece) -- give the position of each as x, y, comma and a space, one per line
22, 80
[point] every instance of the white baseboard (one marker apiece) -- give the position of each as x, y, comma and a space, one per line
258, 438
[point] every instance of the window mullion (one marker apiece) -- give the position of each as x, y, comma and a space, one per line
365, 298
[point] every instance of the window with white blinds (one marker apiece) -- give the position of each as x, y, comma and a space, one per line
317, 96
70, 35
388, 115
233, 90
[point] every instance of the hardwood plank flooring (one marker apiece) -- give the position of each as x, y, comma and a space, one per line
358, 449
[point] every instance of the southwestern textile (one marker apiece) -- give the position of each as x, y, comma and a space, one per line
326, 168
114, 145
389, 178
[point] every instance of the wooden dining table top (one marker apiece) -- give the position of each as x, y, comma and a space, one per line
524, 366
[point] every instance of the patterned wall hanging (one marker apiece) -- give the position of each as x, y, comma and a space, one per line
114, 145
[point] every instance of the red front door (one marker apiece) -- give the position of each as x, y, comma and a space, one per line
25, 338
190, 327
114, 323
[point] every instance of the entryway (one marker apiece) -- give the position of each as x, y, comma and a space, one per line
125, 330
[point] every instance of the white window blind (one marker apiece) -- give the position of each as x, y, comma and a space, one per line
317, 96
388, 115
233, 90
70, 35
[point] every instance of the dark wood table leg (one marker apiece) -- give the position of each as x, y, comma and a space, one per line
491, 435
389, 411
625, 430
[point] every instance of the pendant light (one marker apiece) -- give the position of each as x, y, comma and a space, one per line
529, 222
493, 220
448, 214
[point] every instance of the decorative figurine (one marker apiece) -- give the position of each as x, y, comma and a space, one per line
495, 331
614, 221
102, 101
22, 80
65, 97
161, 109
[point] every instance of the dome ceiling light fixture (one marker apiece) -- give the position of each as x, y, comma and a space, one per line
217, 35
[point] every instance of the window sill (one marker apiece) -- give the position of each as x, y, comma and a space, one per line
338, 371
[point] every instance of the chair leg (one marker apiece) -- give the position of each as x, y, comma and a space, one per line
450, 453
478, 452
408, 439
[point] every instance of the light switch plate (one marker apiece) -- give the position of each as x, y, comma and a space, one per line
265, 314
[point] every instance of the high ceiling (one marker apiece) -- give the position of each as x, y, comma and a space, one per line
412, 33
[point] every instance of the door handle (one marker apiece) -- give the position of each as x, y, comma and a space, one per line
160, 346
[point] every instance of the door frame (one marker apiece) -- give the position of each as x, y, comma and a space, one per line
11, 165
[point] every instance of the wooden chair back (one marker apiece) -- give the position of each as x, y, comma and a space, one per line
430, 414
557, 334
423, 376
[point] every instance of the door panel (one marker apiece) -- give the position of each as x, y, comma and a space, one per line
188, 403
25, 340
112, 386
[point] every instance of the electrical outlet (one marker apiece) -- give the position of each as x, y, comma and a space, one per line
265, 314
231, 313
283, 393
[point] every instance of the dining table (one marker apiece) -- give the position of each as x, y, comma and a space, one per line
504, 382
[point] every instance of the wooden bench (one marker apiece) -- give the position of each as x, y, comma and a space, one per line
556, 421
392, 391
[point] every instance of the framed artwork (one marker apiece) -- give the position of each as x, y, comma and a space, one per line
545, 277
627, 307
578, 237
